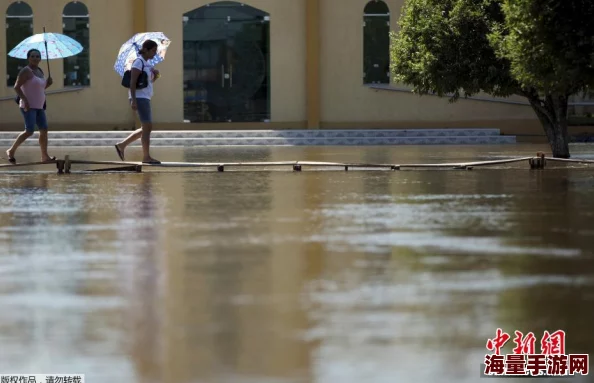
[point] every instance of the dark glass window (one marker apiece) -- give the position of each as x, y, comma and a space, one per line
75, 23
19, 26
376, 43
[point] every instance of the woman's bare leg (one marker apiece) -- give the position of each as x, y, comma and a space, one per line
19, 140
147, 128
135, 135
43, 145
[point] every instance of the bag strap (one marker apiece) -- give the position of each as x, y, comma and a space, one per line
142, 62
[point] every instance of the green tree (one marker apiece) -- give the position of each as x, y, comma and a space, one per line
540, 49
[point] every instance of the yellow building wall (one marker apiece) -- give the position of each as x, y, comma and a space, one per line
104, 102
345, 99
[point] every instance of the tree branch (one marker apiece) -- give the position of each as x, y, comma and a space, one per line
537, 103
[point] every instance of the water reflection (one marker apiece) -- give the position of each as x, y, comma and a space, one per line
265, 276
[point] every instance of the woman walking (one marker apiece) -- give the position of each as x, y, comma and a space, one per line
140, 101
30, 86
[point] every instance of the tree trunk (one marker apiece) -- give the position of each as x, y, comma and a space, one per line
552, 113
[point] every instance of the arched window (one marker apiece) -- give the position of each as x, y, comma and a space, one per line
75, 23
376, 43
19, 26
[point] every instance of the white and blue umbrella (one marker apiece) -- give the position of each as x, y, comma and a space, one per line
129, 51
51, 46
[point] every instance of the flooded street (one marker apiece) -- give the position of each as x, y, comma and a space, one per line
258, 276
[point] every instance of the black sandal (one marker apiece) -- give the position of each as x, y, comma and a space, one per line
120, 153
10, 158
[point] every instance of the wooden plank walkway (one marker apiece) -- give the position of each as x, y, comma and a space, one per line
65, 165
9, 165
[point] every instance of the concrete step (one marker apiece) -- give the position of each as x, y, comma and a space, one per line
373, 133
472, 140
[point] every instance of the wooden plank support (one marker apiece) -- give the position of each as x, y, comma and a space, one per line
538, 162
60, 166
67, 164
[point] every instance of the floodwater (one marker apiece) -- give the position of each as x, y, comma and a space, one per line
276, 276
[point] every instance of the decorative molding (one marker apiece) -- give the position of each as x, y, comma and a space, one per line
69, 89
476, 98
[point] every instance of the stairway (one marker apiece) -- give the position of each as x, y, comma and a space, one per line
279, 137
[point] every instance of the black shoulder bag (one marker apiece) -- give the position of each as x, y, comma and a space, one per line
142, 81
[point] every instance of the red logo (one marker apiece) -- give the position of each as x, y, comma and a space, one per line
498, 342
524, 361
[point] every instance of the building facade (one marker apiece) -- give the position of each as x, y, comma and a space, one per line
266, 64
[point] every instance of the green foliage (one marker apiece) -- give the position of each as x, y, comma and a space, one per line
549, 43
443, 47
501, 47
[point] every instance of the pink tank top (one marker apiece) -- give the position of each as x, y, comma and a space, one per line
34, 90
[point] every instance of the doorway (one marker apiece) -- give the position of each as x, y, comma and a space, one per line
226, 63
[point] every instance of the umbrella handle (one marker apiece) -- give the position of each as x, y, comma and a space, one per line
49, 73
